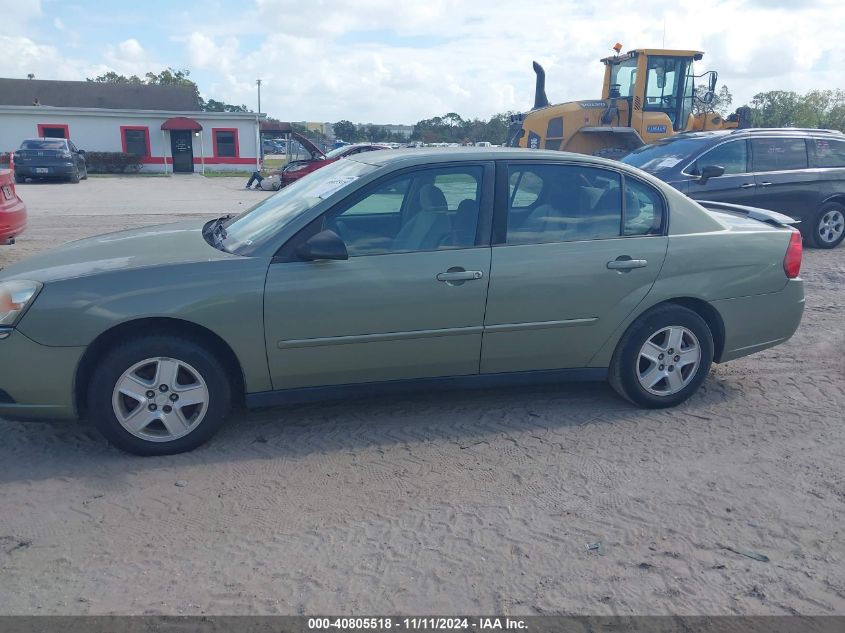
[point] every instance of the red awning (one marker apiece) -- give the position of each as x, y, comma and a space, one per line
180, 123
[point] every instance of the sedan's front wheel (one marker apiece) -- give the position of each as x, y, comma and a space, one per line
663, 357
158, 395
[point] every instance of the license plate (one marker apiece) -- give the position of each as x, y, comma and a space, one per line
42, 170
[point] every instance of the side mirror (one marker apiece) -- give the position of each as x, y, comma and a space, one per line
708, 172
80, 151
324, 245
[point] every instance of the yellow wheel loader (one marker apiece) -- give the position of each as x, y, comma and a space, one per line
648, 94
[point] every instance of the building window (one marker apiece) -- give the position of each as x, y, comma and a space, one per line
135, 140
53, 130
226, 142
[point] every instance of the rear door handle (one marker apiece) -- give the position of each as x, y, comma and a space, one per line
747, 185
765, 184
460, 275
625, 263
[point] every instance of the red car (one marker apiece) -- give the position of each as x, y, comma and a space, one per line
298, 168
12, 209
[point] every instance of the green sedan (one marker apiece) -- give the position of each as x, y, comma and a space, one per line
397, 270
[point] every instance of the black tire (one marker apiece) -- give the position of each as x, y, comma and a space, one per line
19, 179
112, 365
821, 237
624, 366
612, 153
75, 177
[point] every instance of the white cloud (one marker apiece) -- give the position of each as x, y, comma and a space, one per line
45, 62
388, 61
16, 14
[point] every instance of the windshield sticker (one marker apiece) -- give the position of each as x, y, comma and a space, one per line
331, 186
666, 163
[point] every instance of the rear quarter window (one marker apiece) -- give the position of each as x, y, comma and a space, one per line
644, 209
829, 153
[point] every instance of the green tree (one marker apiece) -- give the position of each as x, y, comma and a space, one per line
171, 77
721, 103
346, 130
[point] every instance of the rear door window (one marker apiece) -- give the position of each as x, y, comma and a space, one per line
829, 153
733, 156
778, 154
572, 203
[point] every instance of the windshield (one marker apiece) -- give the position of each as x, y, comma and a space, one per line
665, 154
248, 231
335, 153
625, 74
58, 143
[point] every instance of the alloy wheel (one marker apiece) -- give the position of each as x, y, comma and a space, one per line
160, 399
831, 226
668, 360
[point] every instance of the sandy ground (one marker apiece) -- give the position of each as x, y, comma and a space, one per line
442, 503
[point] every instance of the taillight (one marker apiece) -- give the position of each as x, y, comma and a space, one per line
792, 259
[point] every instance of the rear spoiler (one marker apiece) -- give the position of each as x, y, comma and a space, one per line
761, 215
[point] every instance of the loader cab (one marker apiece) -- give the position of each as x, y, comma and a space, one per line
654, 82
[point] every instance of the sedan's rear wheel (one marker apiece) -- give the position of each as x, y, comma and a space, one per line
158, 395
829, 226
663, 357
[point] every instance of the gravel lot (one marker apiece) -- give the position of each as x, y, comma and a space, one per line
471, 502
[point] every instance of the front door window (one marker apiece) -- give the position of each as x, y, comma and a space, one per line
426, 210
733, 156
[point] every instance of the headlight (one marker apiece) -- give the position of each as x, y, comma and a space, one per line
15, 297
67, 155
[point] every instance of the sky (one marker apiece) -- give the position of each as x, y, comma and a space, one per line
399, 61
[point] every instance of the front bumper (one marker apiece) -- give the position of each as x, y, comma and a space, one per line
53, 171
36, 381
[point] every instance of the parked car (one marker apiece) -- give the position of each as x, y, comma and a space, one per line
12, 210
397, 270
799, 172
297, 169
50, 158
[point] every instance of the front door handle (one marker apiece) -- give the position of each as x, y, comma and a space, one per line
625, 263
747, 185
459, 274
765, 184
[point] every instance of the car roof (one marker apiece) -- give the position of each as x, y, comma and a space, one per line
750, 132
449, 154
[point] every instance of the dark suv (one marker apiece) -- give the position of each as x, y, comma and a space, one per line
50, 158
800, 172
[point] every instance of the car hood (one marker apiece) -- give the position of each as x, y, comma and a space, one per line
159, 245
307, 144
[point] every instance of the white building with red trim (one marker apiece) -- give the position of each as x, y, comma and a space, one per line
164, 141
